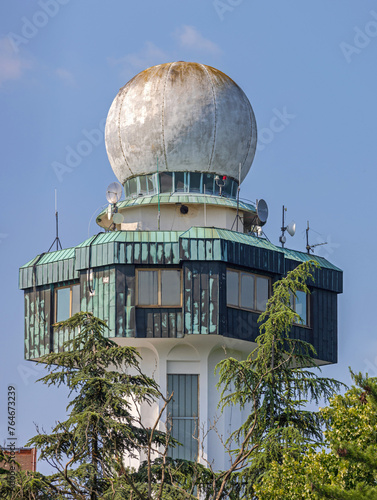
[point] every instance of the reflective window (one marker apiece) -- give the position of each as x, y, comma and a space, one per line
227, 189
262, 289
247, 290
299, 304
147, 288
150, 184
67, 302
143, 185
166, 182
159, 288
195, 181
208, 180
232, 288
180, 181
183, 415
132, 186
171, 287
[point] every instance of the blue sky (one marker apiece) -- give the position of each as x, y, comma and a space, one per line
63, 61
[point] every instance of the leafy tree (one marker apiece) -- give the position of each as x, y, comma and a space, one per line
345, 467
275, 382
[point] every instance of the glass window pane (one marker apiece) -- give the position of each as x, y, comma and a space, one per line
166, 182
76, 307
208, 180
227, 189
63, 298
247, 291
301, 306
183, 415
262, 293
143, 185
147, 288
232, 288
151, 184
132, 186
180, 181
195, 179
126, 190
171, 287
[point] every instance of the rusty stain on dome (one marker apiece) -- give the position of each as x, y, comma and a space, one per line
190, 116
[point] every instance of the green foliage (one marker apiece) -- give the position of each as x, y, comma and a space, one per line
345, 467
275, 382
87, 448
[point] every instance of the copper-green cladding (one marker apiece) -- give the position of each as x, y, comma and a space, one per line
106, 265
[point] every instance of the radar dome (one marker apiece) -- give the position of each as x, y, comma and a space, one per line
187, 116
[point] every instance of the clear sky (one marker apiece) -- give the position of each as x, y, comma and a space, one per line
313, 64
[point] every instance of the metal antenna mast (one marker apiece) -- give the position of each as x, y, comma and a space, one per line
309, 248
57, 239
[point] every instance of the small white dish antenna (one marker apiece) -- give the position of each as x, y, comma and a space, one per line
118, 218
291, 228
113, 193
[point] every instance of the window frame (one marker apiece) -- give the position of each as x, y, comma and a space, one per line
70, 299
193, 418
159, 290
293, 306
255, 275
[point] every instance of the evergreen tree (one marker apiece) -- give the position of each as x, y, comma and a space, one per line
275, 382
86, 450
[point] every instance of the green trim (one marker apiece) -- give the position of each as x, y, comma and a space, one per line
166, 198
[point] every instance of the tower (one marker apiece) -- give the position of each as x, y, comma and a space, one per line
179, 271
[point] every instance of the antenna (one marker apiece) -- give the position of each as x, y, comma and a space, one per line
309, 248
290, 228
238, 218
158, 199
57, 239
113, 195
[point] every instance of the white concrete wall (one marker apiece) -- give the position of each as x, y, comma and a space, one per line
194, 354
145, 217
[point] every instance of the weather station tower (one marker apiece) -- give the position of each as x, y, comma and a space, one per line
181, 269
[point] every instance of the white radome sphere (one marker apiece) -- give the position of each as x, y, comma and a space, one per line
189, 116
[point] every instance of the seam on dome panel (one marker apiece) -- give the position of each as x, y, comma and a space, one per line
125, 91
214, 103
163, 116
251, 129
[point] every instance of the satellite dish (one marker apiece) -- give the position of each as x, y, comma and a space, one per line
113, 193
262, 212
118, 218
291, 228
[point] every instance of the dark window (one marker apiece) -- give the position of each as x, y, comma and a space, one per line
247, 290
132, 185
208, 180
159, 287
180, 181
166, 182
183, 415
195, 180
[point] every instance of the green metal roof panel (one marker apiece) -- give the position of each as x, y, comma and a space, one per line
183, 198
304, 257
67, 253
167, 248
